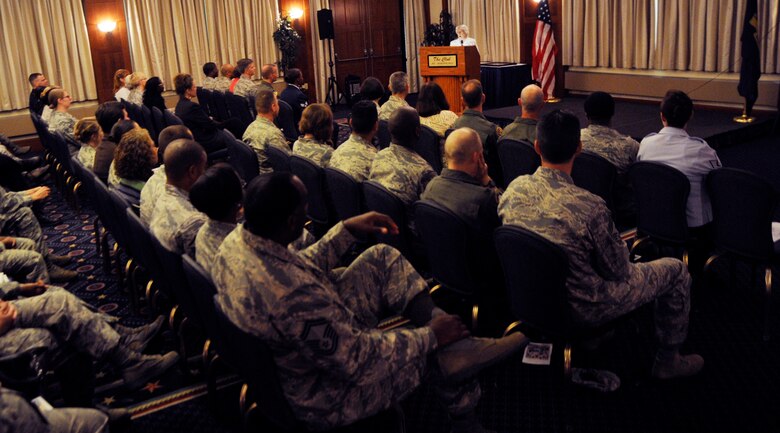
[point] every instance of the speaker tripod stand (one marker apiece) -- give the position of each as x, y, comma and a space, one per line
333, 86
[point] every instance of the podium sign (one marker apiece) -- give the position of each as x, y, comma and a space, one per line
450, 67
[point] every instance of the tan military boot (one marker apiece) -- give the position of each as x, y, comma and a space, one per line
680, 366
467, 357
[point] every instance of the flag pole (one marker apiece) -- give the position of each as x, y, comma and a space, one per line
744, 118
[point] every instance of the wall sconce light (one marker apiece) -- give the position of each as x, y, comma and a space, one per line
107, 26
296, 13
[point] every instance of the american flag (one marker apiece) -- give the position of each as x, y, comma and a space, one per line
544, 50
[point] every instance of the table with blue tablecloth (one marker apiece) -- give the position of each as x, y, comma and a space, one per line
502, 82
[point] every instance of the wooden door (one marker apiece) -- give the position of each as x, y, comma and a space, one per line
368, 39
350, 46
385, 24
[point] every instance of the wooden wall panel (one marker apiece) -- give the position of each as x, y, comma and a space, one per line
304, 27
110, 51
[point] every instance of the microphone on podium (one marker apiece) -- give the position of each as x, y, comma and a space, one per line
461, 42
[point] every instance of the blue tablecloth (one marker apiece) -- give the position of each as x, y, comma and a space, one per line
502, 82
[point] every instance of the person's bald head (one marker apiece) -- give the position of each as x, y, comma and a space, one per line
227, 70
461, 145
531, 100
185, 162
269, 72
404, 126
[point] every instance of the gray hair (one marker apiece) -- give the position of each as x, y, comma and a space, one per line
399, 82
463, 27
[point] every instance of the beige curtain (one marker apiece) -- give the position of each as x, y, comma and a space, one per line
680, 35
603, 33
320, 48
168, 37
414, 33
48, 37
502, 40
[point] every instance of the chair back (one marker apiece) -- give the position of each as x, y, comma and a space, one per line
661, 196
377, 198
141, 239
252, 101
73, 145
202, 291
253, 360
204, 99
220, 108
174, 279
87, 177
238, 107
596, 174
159, 122
313, 176
171, 119
119, 225
135, 113
743, 205
383, 135
146, 114
517, 158
286, 121
447, 245
335, 135
535, 272
346, 196
429, 147
244, 159
277, 159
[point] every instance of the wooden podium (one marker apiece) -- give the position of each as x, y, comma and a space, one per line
450, 67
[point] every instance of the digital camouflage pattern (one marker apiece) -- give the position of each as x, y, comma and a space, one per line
313, 150
18, 220
23, 260
602, 283
210, 83
388, 108
151, 191
402, 171
335, 367
175, 221
245, 87
19, 416
618, 149
207, 242
62, 122
222, 84
263, 133
354, 157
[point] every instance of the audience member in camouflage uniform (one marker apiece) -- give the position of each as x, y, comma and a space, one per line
316, 144
210, 71
355, 155
335, 366
472, 117
18, 220
620, 150
61, 121
263, 132
223, 81
245, 86
399, 89
19, 258
17, 415
155, 185
70, 322
268, 75
399, 168
175, 222
603, 284
531, 101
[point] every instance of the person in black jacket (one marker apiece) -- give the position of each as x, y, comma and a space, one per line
153, 94
208, 132
292, 94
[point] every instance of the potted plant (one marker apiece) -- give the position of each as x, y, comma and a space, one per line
287, 40
439, 35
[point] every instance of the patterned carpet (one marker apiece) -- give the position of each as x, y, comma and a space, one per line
737, 391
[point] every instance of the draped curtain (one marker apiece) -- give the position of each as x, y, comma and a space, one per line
168, 37
683, 35
414, 33
495, 24
47, 37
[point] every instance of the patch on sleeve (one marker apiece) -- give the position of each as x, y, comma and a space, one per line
320, 337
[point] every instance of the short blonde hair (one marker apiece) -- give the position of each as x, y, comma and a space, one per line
134, 80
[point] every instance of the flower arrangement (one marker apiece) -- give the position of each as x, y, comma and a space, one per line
287, 40
438, 35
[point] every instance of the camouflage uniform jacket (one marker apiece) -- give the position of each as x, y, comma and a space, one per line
19, 416
86, 157
175, 221
245, 87
440, 122
520, 129
389, 107
549, 204
313, 150
259, 135
136, 97
208, 240
402, 171
209, 83
62, 122
354, 157
287, 300
222, 84
10, 202
152, 191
